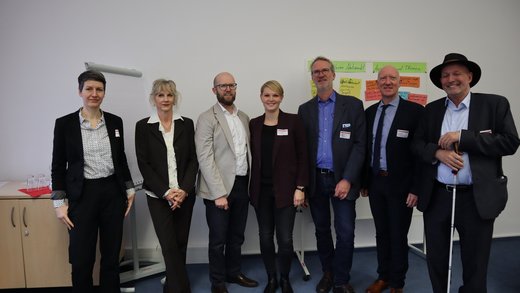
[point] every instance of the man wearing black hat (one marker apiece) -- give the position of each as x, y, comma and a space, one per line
465, 134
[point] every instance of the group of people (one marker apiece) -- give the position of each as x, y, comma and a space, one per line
397, 153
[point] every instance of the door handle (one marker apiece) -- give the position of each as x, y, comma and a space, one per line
12, 217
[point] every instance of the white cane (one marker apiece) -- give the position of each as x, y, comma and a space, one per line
454, 196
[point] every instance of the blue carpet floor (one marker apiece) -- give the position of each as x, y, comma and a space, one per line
503, 276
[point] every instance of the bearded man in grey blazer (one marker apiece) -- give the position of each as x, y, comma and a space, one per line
223, 152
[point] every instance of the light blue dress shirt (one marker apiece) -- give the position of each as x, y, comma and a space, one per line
387, 123
456, 119
325, 122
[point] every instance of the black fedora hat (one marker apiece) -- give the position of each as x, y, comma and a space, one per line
455, 58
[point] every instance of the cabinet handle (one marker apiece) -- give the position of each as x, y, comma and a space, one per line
24, 222
12, 217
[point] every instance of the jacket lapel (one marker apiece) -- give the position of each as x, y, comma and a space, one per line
178, 129
219, 115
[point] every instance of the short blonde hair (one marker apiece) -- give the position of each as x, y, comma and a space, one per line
163, 85
273, 85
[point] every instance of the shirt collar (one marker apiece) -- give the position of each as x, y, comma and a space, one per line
154, 118
393, 103
82, 119
332, 98
235, 109
464, 104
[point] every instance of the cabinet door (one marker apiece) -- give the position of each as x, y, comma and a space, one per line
11, 254
45, 245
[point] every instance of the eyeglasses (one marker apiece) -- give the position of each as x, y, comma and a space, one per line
224, 86
322, 71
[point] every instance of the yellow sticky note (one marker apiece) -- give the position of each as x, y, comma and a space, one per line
350, 86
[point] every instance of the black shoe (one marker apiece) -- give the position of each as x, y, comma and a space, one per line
221, 288
242, 280
325, 283
347, 288
286, 286
271, 286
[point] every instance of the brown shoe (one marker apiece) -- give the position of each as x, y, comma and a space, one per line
377, 287
396, 290
325, 284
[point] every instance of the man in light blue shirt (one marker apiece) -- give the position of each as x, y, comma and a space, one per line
461, 141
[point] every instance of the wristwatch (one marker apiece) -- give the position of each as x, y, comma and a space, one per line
300, 188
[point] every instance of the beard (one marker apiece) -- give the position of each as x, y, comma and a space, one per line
226, 99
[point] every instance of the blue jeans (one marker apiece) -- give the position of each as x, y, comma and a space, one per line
336, 260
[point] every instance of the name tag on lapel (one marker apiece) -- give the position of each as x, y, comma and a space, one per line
117, 133
402, 133
345, 125
344, 134
282, 132
486, 131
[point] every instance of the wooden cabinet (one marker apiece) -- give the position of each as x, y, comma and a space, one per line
33, 243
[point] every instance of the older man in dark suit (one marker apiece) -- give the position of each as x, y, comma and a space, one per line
482, 127
389, 179
336, 138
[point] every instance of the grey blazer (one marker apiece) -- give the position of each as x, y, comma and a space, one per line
216, 152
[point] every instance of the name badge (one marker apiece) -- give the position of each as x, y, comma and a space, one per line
345, 125
282, 132
402, 133
117, 133
344, 134
487, 131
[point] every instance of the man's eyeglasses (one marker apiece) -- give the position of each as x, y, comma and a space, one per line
224, 86
322, 71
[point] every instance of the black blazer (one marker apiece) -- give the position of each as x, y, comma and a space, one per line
348, 153
67, 155
290, 166
402, 166
151, 156
491, 134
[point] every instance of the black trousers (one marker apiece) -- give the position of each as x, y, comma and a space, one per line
226, 232
475, 240
101, 209
392, 220
172, 229
271, 219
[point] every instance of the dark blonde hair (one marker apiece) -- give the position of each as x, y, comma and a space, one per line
163, 85
273, 85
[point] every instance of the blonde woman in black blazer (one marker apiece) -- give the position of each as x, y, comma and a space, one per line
279, 174
167, 160
89, 178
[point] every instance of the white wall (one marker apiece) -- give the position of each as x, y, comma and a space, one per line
44, 44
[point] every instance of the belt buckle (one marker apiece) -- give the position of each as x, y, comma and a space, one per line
324, 171
450, 187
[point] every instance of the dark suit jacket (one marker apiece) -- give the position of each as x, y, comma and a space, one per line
68, 160
401, 163
151, 156
290, 166
491, 134
348, 153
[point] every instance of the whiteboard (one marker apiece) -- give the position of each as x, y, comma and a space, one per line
125, 97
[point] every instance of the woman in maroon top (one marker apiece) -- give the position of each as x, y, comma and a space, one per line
279, 174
